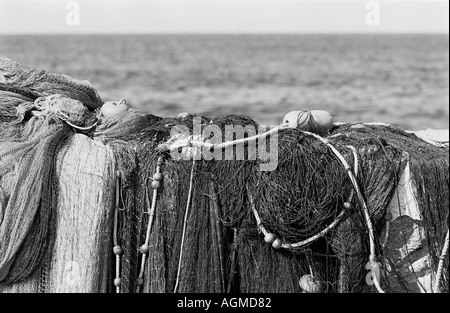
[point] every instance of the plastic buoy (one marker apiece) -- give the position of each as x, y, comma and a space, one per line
113, 108
316, 121
269, 238
276, 244
309, 284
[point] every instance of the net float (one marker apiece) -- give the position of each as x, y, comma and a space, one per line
276, 244
140, 281
309, 284
183, 115
269, 238
156, 184
158, 176
114, 108
316, 121
145, 248
117, 250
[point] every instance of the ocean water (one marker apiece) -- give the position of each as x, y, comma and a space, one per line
398, 79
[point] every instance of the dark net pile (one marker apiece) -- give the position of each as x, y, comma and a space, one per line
224, 251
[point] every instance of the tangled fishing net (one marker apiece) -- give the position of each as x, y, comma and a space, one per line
203, 235
33, 106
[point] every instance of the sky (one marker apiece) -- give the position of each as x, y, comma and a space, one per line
222, 16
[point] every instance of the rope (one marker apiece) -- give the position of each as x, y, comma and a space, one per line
252, 138
356, 187
386, 235
66, 119
233, 260
192, 142
215, 221
150, 222
372, 258
81, 128
441, 265
377, 284
115, 242
355, 160
186, 213
297, 244
117, 272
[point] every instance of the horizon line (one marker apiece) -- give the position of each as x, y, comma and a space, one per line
224, 33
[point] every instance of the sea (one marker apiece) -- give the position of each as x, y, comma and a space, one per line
400, 79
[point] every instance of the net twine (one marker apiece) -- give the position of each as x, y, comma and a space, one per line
436, 287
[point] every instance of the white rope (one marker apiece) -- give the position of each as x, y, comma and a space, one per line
372, 257
355, 160
115, 242
66, 119
186, 213
256, 137
377, 283
192, 141
147, 236
150, 221
386, 235
356, 187
297, 244
441, 265
117, 271
81, 128
317, 236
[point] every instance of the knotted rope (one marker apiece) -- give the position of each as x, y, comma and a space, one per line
441, 265
181, 141
145, 247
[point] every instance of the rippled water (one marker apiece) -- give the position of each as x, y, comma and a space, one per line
398, 79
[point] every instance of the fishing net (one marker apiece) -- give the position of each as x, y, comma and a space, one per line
27, 159
166, 234
203, 235
34, 83
35, 107
303, 195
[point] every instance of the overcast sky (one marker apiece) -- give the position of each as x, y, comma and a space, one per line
222, 16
